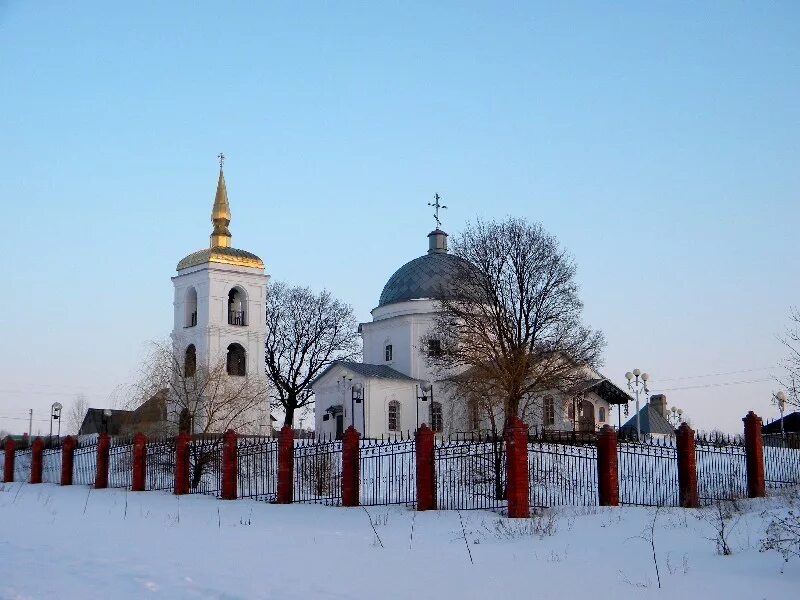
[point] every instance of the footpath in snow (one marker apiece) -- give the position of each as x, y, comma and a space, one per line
75, 542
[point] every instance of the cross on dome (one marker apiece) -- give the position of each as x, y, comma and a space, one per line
437, 205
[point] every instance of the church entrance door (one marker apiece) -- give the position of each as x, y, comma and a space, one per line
586, 416
339, 426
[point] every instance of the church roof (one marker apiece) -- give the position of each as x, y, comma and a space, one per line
430, 276
651, 421
366, 370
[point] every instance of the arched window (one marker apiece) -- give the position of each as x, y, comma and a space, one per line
601, 414
190, 361
474, 414
571, 409
388, 352
394, 416
236, 362
436, 416
237, 304
549, 411
191, 307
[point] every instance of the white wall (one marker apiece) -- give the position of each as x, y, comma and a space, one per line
212, 335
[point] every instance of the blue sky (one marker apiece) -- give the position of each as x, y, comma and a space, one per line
658, 141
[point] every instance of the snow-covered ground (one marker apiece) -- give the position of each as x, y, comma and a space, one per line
74, 542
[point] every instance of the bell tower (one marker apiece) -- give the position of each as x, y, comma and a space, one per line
219, 302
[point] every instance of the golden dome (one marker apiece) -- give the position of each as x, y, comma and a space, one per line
222, 255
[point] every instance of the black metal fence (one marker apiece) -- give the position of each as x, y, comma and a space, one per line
782, 460
205, 465
388, 472
648, 473
84, 465
51, 465
721, 469
258, 468
471, 474
120, 463
160, 464
22, 464
470, 469
318, 472
562, 474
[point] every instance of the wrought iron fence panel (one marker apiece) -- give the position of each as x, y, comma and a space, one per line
721, 471
470, 475
51, 465
22, 465
318, 472
562, 474
782, 460
159, 464
120, 463
648, 474
387, 472
84, 465
258, 468
205, 465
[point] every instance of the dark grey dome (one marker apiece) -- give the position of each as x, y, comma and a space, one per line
429, 276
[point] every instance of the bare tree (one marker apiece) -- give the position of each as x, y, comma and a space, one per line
510, 326
76, 413
306, 332
791, 364
200, 398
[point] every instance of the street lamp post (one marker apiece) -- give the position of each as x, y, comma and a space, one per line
55, 415
426, 388
357, 397
676, 416
637, 382
106, 417
780, 400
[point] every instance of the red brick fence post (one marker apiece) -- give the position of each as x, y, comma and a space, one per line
67, 459
181, 485
8, 466
139, 462
350, 452
516, 437
103, 450
37, 450
426, 468
687, 467
285, 465
754, 455
607, 467
230, 466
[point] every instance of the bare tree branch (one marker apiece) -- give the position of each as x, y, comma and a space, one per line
306, 332
510, 328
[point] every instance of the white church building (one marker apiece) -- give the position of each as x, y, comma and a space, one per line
393, 390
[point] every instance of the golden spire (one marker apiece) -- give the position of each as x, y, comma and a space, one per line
221, 213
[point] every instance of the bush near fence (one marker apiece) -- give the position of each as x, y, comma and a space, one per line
469, 471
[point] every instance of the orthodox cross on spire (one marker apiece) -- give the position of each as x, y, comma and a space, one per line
221, 158
437, 205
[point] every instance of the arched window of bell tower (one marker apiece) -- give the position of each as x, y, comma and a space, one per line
191, 307
190, 361
236, 361
237, 307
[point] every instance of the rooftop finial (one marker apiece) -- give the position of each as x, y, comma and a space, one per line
437, 206
221, 213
